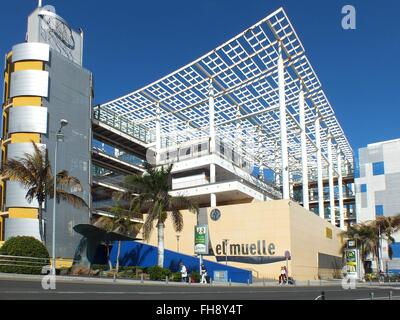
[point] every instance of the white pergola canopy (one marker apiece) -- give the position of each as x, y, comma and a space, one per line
243, 73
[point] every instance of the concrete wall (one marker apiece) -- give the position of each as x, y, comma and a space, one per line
69, 98
381, 190
315, 245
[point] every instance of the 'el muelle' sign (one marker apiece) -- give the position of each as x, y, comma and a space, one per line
260, 248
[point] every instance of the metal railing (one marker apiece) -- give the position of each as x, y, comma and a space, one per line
123, 124
202, 148
117, 154
19, 263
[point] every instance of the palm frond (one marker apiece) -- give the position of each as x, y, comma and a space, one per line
177, 220
64, 180
16, 170
70, 198
148, 225
182, 202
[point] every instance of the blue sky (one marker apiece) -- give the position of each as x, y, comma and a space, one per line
129, 44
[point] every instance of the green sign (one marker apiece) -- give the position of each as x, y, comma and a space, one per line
351, 261
201, 239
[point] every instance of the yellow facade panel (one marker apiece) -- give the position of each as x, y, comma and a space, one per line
22, 213
25, 137
1, 230
28, 65
27, 101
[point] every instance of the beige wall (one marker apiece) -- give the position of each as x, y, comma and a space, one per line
248, 223
309, 237
285, 224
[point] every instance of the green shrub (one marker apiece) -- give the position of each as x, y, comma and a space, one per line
176, 277
394, 277
23, 247
158, 273
141, 269
128, 269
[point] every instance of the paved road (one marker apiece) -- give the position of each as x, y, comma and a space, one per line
32, 290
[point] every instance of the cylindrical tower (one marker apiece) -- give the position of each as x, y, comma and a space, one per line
44, 82
24, 121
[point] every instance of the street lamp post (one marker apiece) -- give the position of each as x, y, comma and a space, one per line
59, 138
177, 241
226, 250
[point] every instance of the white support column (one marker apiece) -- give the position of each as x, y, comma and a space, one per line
276, 165
213, 196
340, 186
282, 111
158, 133
331, 182
304, 162
238, 136
291, 186
319, 168
259, 153
211, 107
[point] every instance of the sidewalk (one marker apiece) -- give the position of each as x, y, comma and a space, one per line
97, 280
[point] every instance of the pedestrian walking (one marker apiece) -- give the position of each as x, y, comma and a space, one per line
282, 276
203, 273
183, 272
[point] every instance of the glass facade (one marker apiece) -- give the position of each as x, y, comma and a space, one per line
117, 153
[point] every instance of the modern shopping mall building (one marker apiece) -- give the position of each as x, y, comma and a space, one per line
247, 127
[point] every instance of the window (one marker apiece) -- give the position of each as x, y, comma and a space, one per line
363, 188
379, 210
378, 168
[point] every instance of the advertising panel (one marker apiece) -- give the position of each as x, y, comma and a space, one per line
351, 261
201, 239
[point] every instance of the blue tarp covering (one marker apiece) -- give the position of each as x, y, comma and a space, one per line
139, 254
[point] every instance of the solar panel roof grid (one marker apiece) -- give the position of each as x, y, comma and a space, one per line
245, 82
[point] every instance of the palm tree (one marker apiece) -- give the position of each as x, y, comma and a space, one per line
34, 172
154, 200
120, 223
387, 226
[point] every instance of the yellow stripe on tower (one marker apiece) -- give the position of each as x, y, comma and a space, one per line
28, 65
25, 137
23, 213
27, 101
